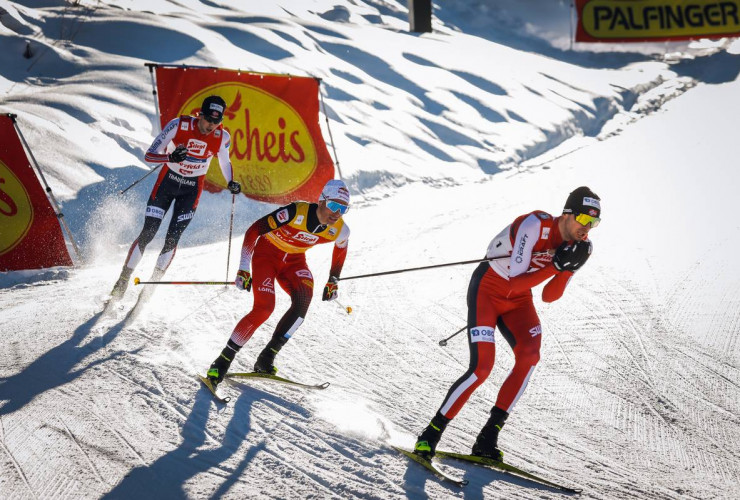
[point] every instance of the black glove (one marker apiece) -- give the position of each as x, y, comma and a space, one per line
570, 256
179, 154
235, 187
331, 290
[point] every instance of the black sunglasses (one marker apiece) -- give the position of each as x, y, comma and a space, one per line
215, 121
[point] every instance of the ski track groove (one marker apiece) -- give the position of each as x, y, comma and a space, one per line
84, 453
17, 465
119, 436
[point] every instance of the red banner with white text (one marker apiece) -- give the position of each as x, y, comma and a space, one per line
277, 150
656, 20
30, 235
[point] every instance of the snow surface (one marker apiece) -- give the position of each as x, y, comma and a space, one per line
444, 138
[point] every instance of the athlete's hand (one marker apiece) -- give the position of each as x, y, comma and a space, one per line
179, 154
235, 187
571, 256
243, 280
331, 290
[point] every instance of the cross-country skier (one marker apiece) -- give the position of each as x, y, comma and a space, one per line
185, 146
539, 247
274, 248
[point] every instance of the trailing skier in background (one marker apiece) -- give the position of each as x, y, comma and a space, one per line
190, 143
500, 295
274, 247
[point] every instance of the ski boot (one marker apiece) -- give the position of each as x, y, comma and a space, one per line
222, 363
265, 360
486, 445
120, 287
426, 444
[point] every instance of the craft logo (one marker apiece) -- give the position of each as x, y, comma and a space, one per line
272, 151
16, 211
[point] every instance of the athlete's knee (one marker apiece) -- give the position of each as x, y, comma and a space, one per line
482, 363
300, 300
151, 225
528, 356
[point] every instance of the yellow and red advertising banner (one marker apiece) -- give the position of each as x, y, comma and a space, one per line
277, 151
30, 236
656, 20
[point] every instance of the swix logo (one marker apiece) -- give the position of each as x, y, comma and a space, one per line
332, 231
185, 125
306, 238
196, 147
299, 220
537, 330
545, 233
184, 217
282, 216
482, 334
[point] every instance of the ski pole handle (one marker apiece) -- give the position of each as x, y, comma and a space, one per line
137, 281
443, 342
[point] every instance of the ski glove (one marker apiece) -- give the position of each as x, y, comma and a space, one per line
235, 187
570, 256
243, 280
179, 154
331, 290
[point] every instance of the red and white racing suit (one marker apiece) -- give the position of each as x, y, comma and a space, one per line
181, 183
500, 295
275, 247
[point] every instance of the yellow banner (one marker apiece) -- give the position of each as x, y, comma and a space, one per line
632, 20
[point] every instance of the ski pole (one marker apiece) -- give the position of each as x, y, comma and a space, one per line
137, 281
383, 273
347, 308
141, 179
443, 342
231, 228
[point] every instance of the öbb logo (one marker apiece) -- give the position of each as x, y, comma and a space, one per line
272, 151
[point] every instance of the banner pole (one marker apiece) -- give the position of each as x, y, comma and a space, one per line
151, 67
328, 128
35, 164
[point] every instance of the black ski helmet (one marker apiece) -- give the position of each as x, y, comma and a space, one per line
583, 201
213, 108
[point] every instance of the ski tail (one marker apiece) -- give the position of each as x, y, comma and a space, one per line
210, 387
429, 465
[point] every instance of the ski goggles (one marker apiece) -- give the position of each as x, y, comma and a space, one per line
336, 206
585, 220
